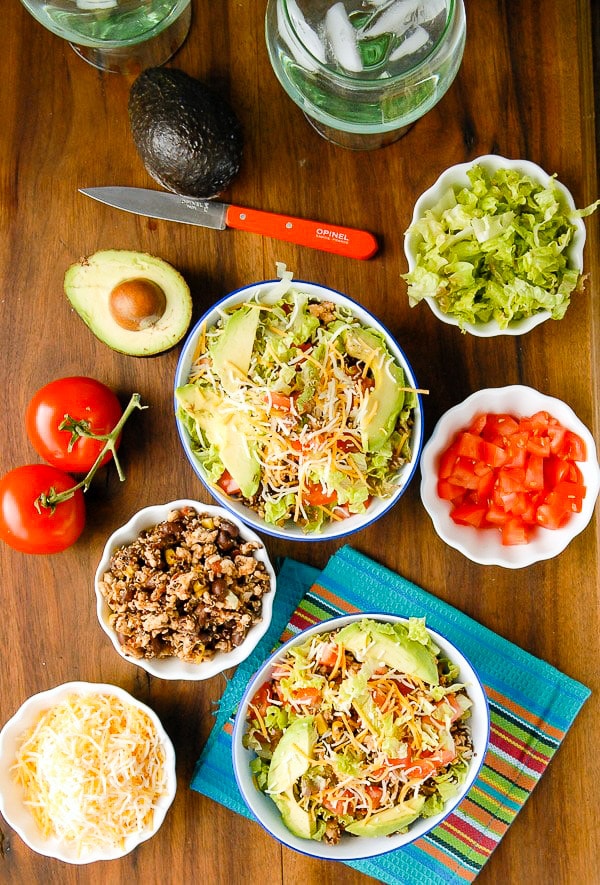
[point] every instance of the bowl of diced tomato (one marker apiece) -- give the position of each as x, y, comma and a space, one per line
510, 476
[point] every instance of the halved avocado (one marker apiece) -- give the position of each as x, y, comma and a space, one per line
188, 137
134, 302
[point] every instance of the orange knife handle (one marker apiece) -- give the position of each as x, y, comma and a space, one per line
347, 241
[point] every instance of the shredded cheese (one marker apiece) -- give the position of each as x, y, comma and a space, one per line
92, 769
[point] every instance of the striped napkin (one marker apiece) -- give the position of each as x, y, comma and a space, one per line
532, 706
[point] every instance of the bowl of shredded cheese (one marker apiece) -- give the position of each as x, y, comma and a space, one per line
87, 774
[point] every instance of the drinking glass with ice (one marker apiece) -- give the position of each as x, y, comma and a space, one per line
363, 71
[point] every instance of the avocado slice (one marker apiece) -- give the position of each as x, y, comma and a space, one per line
298, 821
386, 398
291, 757
227, 433
387, 643
232, 351
187, 136
390, 820
135, 303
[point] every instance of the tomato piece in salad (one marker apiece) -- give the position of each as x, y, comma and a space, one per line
513, 474
229, 485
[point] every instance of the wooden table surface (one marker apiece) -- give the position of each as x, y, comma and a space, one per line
525, 89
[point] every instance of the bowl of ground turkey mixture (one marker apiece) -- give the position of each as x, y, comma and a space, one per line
184, 590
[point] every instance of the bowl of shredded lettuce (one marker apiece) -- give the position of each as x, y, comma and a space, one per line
359, 735
298, 410
495, 247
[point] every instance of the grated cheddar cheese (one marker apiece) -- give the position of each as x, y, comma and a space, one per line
92, 769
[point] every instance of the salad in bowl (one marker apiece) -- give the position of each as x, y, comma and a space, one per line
367, 726
298, 410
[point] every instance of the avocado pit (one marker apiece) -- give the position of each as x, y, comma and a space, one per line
137, 304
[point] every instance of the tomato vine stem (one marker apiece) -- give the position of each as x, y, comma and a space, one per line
52, 498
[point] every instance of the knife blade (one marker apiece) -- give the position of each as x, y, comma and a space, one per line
348, 241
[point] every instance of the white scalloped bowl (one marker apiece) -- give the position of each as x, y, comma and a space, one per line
484, 546
349, 847
173, 667
456, 176
288, 532
18, 816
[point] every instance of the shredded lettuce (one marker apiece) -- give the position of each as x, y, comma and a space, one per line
496, 250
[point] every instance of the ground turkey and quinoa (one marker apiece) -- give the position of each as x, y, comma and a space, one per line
188, 587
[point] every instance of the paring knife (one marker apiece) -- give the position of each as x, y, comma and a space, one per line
347, 241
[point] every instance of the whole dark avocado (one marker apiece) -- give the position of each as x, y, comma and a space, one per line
188, 137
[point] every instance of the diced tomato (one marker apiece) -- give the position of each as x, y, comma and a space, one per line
316, 496
347, 445
555, 470
228, 484
469, 446
380, 697
478, 424
510, 479
514, 474
262, 698
448, 491
551, 517
496, 515
573, 447
500, 425
493, 455
567, 494
429, 763
515, 531
516, 449
556, 434
463, 473
539, 422
469, 514
345, 804
485, 486
447, 462
448, 706
519, 504
307, 697
329, 655
374, 793
279, 401
539, 445
534, 472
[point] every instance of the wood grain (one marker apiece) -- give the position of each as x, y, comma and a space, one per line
525, 89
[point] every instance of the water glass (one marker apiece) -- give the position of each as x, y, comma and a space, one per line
363, 71
125, 36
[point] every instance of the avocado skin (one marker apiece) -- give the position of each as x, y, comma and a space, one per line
188, 138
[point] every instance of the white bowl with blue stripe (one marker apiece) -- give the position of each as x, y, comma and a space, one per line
289, 531
264, 810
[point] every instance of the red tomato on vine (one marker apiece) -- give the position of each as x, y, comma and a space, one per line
29, 526
59, 409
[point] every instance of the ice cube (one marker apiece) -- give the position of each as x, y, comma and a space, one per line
411, 44
342, 38
430, 10
304, 47
305, 32
394, 19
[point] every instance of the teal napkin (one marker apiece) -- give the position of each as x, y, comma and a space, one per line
532, 706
